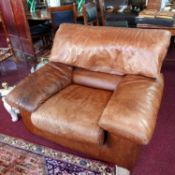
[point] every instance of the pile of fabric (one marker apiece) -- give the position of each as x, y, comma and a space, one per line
155, 17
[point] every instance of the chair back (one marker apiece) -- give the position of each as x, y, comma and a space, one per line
90, 14
62, 14
112, 5
67, 2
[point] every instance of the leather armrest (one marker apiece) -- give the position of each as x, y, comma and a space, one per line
133, 107
31, 92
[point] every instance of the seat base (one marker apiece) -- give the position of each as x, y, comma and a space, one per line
116, 150
73, 113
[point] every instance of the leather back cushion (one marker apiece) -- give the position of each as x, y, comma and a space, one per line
111, 50
96, 79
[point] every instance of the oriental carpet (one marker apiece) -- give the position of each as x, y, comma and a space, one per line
21, 157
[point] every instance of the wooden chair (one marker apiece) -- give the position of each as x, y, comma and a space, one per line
137, 5
90, 13
118, 21
62, 14
8, 52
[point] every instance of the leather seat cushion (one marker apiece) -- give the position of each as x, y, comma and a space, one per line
73, 113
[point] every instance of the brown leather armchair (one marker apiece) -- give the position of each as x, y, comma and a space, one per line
100, 93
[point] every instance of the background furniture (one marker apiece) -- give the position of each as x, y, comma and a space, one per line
153, 10
17, 27
111, 17
90, 13
154, 4
120, 13
40, 29
171, 29
137, 5
62, 14
41, 33
6, 52
39, 15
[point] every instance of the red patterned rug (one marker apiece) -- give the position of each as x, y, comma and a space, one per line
21, 157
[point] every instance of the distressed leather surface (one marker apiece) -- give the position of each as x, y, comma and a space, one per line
96, 79
133, 107
107, 125
111, 50
116, 150
31, 92
73, 113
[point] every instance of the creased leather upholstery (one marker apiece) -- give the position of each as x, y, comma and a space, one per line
116, 150
132, 109
83, 104
73, 113
111, 50
37, 87
96, 79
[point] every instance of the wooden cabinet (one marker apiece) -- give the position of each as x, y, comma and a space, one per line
17, 26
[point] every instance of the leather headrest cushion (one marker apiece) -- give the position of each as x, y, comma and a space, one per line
111, 50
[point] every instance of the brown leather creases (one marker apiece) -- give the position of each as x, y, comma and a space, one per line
31, 92
116, 150
133, 107
96, 79
73, 113
88, 100
111, 50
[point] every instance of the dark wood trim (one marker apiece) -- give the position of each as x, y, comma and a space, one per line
17, 26
101, 4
